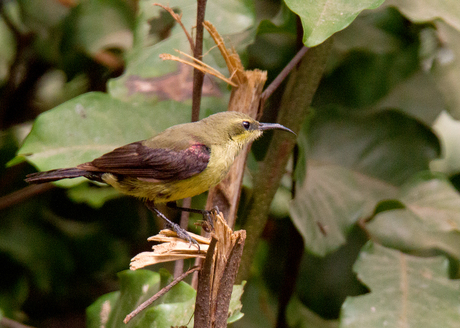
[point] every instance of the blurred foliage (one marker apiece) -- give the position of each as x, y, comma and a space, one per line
377, 160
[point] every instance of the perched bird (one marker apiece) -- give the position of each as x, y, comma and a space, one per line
182, 161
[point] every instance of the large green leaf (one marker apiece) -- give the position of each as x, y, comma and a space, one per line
430, 219
330, 201
352, 162
417, 96
321, 19
92, 124
406, 291
402, 229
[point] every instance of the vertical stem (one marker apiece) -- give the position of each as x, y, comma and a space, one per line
198, 76
294, 109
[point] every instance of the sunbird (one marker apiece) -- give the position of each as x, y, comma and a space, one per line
184, 160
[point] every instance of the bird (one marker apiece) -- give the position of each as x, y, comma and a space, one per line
183, 161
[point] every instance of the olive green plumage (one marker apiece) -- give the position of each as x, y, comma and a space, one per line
182, 161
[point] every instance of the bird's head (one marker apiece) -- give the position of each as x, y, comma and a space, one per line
238, 127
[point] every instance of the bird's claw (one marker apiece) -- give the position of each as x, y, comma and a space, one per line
208, 225
183, 234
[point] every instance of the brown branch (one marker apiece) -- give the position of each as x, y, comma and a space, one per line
163, 291
204, 290
198, 76
217, 277
281, 76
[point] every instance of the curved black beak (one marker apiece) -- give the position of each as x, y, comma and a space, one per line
273, 126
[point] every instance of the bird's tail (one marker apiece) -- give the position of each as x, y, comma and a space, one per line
54, 175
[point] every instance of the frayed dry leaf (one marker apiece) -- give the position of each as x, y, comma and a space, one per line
171, 249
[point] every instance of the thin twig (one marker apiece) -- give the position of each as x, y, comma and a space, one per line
198, 76
23, 194
163, 291
282, 75
198, 65
178, 19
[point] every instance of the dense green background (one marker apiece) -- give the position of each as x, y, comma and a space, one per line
375, 216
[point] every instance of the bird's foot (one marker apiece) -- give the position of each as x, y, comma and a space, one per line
207, 223
182, 234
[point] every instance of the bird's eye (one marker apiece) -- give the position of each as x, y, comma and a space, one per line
246, 125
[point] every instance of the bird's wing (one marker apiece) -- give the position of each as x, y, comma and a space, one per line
138, 160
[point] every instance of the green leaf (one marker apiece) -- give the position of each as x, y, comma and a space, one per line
406, 291
363, 79
330, 201
352, 163
93, 196
417, 96
403, 230
434, 200
234, 309
111, 309
92, 124
300, 316
429, 221
284, 22
175, 308
422, 11
97, 314
448, 131
321, 19
99, 25
446, 67
365, 34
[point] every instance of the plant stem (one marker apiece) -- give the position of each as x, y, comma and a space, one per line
198, 75
198, 78
294, 109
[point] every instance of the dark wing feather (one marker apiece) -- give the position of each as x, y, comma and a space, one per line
141, 161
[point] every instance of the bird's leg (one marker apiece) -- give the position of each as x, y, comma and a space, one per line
206, 214
181, 233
